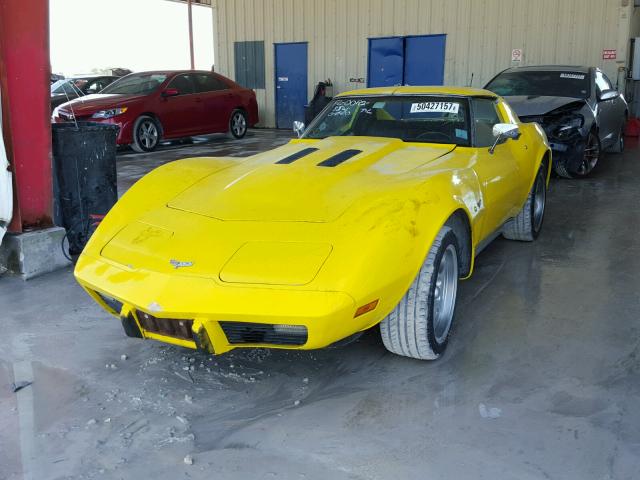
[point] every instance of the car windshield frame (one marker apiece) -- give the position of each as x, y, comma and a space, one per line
568, 75
426, 104
113, 87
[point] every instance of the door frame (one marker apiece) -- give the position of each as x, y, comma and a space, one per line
404, 37
275, 74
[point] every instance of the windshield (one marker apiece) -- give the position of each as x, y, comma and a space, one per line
552, 84
73, 85
136, 84
423, 118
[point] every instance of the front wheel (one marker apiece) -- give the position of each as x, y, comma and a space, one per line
527, 225
590, 157
238, 124
420, 324
146, 134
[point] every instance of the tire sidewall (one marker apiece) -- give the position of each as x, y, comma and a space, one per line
438, 348
136, 133
246, 123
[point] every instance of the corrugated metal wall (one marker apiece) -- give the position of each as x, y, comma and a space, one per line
480, 34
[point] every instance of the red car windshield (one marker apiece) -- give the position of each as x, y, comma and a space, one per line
135, 84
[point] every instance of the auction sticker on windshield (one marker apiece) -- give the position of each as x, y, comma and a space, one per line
574, 76
435, 107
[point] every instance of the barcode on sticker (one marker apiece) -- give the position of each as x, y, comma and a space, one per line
574, 76
435, 107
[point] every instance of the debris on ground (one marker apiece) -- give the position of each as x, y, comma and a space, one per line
188, 460
123, 357
16, 387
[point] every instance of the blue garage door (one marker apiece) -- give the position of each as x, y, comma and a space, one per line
386, 60
424, 60
414, 60
291, 83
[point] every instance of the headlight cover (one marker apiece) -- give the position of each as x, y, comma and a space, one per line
568, 125
112, 112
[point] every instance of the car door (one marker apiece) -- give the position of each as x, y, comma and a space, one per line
610, 118
217, 102
180, 114
499, 172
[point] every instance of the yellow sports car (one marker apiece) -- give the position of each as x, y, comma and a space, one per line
372, 216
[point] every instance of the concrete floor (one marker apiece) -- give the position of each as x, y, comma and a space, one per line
541, 379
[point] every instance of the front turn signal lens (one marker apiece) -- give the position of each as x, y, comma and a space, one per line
366, 308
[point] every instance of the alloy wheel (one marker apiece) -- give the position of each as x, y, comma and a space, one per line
238, 124
591, 155
444, 295
148, 134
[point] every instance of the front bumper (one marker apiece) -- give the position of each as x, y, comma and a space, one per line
208, 307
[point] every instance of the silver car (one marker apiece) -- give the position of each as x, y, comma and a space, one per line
580, 110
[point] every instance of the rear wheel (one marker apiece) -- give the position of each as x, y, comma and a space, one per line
420, 324
146, 134
527, 225
238, 124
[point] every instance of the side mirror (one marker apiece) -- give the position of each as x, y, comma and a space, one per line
298, 127
170, 92
504, 131
608, 95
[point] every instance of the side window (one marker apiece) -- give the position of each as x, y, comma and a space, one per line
602, 82
485, 116
209, 83
96, 85
182, 83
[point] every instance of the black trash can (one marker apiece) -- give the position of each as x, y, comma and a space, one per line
85, 182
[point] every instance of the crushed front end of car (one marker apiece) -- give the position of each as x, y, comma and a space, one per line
567, 129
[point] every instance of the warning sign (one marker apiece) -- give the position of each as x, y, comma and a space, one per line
516, 55
609, 54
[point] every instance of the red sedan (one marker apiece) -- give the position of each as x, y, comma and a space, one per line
153, 106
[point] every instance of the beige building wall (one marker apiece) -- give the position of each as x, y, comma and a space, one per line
481, 35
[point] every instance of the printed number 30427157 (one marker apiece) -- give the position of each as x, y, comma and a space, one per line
435, 107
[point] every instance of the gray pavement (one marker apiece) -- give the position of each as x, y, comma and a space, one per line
541, 379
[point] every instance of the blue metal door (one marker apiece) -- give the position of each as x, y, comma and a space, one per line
291, 83
386, 61
424, 60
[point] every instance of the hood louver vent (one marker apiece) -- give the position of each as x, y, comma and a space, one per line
339, 158
292, 158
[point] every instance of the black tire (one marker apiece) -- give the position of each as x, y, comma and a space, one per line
410, 329
238, 123
146, 134
527, 225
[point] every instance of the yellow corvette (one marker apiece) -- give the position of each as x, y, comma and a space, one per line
372, 216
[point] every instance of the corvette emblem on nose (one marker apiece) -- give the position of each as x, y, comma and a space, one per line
177, 264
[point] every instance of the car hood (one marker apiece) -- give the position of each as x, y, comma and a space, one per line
526, 106
313, 188
90, 104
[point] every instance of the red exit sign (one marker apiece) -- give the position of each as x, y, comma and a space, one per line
609, 54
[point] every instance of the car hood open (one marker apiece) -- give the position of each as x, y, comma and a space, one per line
526, 106
314, 181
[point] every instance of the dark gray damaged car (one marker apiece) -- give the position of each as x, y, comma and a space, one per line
578, 108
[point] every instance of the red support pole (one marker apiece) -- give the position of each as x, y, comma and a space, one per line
24, 79
193, 63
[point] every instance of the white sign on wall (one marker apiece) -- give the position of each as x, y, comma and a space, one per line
516, 55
